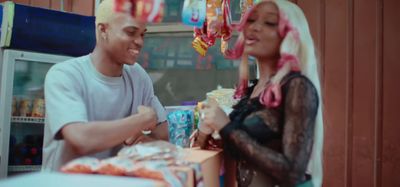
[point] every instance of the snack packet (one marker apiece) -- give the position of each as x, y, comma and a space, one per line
152, 151
81, 165
146, 10
194, 13
118, 166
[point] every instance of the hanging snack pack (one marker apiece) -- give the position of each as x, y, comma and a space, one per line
245, 5
146, 10
216, 26
194, 13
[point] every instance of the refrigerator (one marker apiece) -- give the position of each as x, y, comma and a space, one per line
22, 109
32, 40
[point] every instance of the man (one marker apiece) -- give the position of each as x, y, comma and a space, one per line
97, 102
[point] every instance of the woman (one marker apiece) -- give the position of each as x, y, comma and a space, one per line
275, 132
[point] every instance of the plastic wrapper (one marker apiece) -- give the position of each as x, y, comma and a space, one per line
146, 10
215, 19
223, 96
157, 150
157, 170
245, 5
38, 109
217, 25
25, 107
194, 12
226, 28
180, 126
148, 169
118, 166
81, 165
200, 45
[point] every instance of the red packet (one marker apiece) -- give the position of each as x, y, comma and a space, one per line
146, 10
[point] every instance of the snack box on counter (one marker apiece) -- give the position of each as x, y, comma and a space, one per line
210, 165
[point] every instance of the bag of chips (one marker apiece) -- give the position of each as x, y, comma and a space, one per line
145, 10
118, 166
81, 165
155, 150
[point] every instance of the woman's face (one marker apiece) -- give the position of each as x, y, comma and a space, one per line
260, 31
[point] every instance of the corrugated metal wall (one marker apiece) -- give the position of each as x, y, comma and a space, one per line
358, 41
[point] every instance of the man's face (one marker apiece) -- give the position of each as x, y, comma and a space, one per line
124, 38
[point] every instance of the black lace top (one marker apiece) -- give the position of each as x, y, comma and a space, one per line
272, 146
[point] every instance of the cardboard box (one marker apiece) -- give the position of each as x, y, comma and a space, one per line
210, 164
188, 174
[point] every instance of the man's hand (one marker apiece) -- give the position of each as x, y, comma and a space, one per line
139, 140
151, 121
150, 115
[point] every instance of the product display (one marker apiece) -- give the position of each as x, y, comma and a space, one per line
180, 126
82, 165
194, 13
216, 25
146, 10
149, 160
38, 109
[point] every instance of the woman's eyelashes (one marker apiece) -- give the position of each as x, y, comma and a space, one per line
270, 23
250, 20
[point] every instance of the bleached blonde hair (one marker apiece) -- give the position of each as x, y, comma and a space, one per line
105, 11
309, 68
104, 14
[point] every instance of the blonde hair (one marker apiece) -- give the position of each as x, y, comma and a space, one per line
104, 14
105, 11
309, 68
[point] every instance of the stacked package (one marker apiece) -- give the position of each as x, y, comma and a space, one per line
150, 160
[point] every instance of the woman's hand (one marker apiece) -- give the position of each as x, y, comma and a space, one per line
204, 141
214, 116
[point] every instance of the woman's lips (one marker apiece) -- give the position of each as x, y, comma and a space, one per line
250, 41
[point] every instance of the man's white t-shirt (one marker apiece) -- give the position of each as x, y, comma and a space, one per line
76, 92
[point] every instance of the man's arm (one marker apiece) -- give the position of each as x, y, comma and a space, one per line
92, 137
159, 133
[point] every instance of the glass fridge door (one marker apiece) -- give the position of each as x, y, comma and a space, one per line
26, 109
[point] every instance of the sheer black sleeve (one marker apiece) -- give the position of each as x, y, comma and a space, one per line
299, 112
